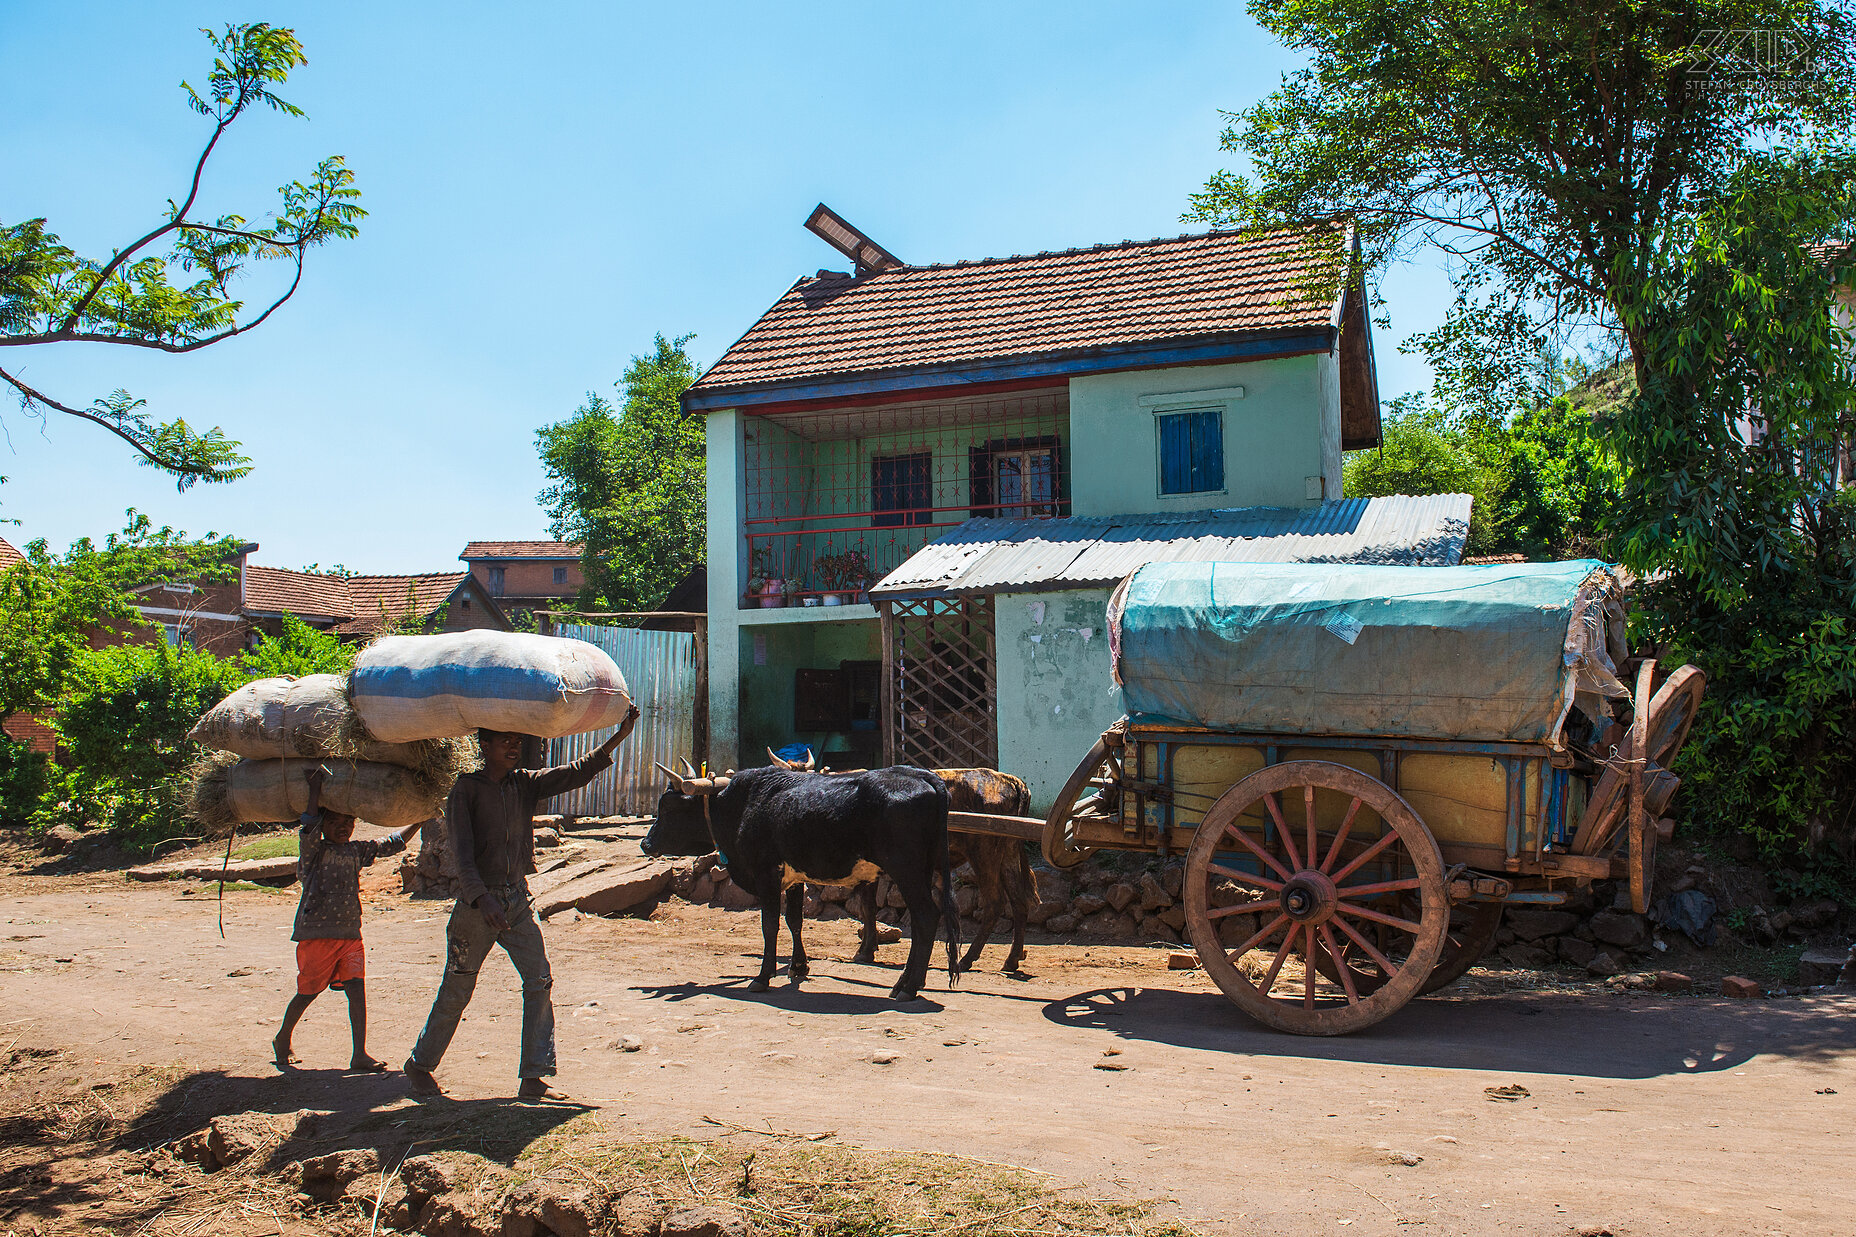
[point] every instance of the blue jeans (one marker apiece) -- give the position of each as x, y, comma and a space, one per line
468, 941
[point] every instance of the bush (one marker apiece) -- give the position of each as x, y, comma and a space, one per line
298, 650
23, 776
1563, 481
1423, 452
122, 727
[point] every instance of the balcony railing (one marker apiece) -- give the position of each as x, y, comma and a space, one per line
837, 500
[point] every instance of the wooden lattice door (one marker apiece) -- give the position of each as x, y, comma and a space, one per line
940, 681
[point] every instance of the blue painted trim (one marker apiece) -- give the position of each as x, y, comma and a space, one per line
1106, 360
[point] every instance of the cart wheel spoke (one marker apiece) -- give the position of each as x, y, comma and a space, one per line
1340, 838
1235, 954
1359, 859
1257, 882
1340, 963
1282, 831
1243, 840
1308, 817
1385, 964
1390, 921
1282, 956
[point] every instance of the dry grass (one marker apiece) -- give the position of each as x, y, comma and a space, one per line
805, 1185
72, 1144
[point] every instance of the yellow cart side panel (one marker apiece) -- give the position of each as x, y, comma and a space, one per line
1463, 798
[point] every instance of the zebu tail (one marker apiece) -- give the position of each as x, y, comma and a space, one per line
950, 911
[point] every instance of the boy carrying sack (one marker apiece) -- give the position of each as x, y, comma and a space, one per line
328, 921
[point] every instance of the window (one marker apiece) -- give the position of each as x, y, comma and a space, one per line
1191, 451
902, 489
1016, 477
176, 635
496, 581
560, 575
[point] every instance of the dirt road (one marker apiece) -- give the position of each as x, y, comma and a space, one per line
1643, 1114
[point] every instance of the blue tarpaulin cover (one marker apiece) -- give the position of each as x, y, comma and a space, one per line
1490, 653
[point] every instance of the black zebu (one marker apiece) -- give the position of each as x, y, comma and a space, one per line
776, 830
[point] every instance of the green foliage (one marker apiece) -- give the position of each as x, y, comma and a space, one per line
1542, 148
51, 295
52, 604
1563, 480
1746, 541
630, 486
23, 777
299, 649
123, 725
1423, 452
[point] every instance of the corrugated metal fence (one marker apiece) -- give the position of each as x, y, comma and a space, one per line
660, 669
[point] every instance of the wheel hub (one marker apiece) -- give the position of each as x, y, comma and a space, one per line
1309, 897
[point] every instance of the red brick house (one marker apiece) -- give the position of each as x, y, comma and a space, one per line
527, 575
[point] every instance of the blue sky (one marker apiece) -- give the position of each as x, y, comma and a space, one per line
550, 185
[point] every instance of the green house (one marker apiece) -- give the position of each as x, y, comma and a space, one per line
925, 480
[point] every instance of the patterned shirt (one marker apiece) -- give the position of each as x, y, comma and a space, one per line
330, 873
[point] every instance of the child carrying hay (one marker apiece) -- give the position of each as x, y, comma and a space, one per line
329, 953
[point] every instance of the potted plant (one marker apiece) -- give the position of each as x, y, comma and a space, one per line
766, 581
843, 575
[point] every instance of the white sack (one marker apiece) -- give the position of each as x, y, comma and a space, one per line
261, 791
310, 717
431, 687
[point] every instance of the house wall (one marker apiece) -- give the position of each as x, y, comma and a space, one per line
1055, 694
528, 577
727, 574
1285, 430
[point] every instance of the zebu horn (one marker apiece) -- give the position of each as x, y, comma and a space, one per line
777, 762
676, 779
689, 770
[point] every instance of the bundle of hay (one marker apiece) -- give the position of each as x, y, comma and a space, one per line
270, 732
228, 792
421, 687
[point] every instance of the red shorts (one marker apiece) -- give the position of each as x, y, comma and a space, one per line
328, 964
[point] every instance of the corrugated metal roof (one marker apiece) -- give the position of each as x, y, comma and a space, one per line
1029, 555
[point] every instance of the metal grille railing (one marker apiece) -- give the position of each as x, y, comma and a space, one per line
836, 500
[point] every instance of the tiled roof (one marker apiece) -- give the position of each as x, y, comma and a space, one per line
1137, 292
381, 601
273, 590
8, 555
1036, 555
521, 549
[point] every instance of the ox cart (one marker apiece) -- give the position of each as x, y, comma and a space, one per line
1362, 766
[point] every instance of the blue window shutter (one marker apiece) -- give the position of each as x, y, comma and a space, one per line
1191, 452
1175, 455
1207, 451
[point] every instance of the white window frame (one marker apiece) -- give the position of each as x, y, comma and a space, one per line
1219, 400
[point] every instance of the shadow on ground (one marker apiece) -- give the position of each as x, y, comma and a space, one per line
1597, 1036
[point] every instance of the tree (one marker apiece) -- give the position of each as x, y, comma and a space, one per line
1542, 148
298, 649
52, 606
49, 295
1732, 510
1421, 452
630, 486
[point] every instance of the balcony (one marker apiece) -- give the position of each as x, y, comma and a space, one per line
836, 500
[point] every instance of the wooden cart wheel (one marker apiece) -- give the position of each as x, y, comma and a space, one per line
1329, 863
1670, 715
1092, 791
1471, 933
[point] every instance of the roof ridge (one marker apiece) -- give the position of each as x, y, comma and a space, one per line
1150, 242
